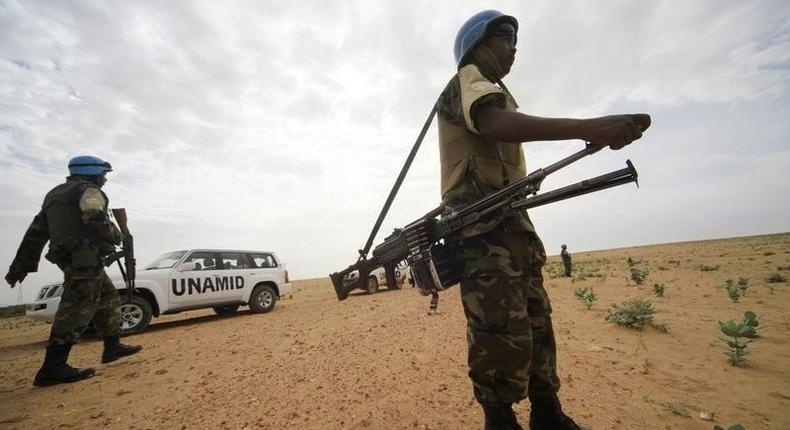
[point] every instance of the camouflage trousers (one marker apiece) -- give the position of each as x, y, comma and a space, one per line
85, 299
566, 261
512, 352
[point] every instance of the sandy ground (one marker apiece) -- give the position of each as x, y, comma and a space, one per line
381, 362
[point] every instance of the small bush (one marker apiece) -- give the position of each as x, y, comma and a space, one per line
736, 343
776, 278
706, 268
751, 320
638, 275
658, 289
586, 295
734, 292
634, 313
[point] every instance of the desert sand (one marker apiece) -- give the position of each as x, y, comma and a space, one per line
381, 362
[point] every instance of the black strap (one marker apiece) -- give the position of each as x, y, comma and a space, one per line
363, 253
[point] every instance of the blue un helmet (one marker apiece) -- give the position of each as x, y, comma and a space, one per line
86, 165
475, 28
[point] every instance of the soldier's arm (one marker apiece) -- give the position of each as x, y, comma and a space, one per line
614, 131
94, 214
29, 252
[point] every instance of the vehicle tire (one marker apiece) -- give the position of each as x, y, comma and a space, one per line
372, 286
135, 314
262, 299
226, 309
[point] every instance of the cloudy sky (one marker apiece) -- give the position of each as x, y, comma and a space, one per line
282, 125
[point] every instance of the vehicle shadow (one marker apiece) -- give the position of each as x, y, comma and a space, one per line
360, 293
192, 321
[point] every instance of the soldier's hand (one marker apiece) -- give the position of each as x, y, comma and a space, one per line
615, 131
13, 277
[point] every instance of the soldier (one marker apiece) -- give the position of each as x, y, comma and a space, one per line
75, 221
566, 260
512, 352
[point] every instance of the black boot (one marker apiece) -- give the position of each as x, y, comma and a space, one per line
54, 370
114, 349
546, 414
500, 416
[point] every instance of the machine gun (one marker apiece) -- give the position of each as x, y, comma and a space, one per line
421, 242
129, 273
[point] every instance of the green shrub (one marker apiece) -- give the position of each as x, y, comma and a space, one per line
734, 292
638, 275
586, 295
658, 289
751, 320
736, 343
776, 278
634, 313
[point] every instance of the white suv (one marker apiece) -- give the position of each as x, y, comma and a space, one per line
184, 280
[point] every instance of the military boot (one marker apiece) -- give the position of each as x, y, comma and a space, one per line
500, 416
546, 414
114, 349
54, 370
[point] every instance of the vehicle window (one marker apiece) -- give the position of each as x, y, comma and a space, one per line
165, 261
234, 260
264, 261
203, 260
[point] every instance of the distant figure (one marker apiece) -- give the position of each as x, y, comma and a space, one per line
566, 260
75, 222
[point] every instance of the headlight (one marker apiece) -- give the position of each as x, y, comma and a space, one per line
42, 293
55, 291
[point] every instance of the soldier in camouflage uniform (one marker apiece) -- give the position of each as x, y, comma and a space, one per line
512, 351
75, 221
566, 260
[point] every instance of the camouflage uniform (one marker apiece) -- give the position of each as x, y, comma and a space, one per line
566, 260
75, 221
512, 352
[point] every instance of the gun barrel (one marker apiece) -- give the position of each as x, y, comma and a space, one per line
598, 183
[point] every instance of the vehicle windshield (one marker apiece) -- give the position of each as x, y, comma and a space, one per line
166, 261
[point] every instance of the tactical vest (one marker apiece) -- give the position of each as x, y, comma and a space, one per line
474, 165
465, 155
67, 231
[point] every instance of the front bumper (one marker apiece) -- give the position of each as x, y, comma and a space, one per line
43, 310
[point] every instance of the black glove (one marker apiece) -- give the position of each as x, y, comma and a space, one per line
13, 276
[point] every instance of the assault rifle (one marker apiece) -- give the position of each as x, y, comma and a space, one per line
127, 252
421, 242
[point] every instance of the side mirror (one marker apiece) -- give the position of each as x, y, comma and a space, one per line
186, 267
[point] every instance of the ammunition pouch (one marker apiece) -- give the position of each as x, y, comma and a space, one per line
60, 252
85, 255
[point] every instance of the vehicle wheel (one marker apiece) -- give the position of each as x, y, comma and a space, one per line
226, 309
135, 314
262, 299
373, 285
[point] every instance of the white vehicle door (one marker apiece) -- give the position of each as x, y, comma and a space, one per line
199, 286
235, 274
265, 268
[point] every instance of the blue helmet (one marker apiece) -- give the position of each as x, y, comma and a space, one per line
474, 29
85, 165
